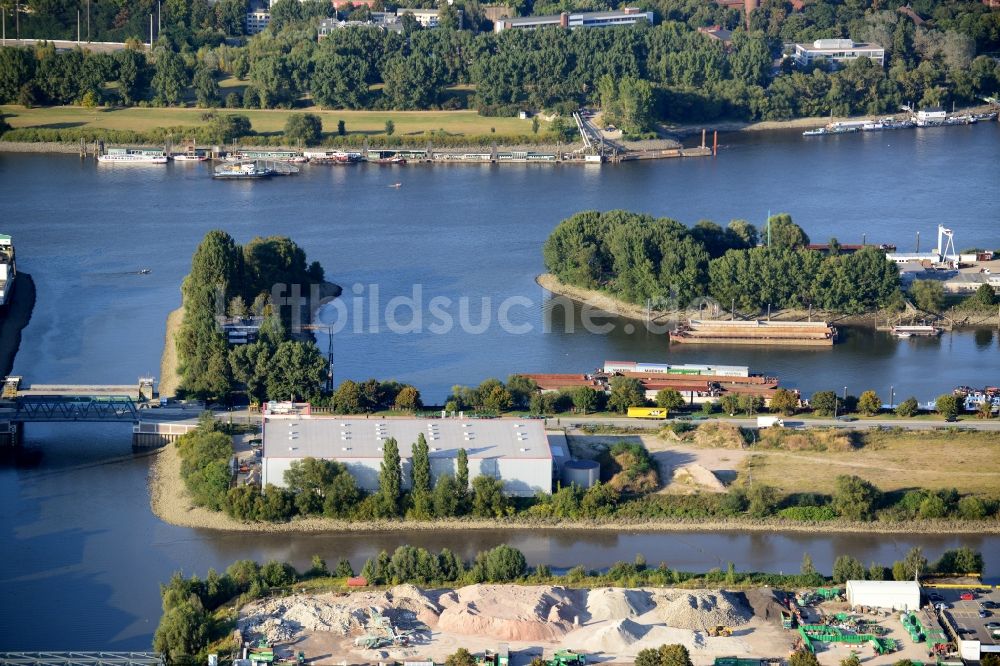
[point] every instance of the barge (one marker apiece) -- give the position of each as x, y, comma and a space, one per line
755, 332
8, 269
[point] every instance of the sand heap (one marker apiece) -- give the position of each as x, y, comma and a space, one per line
525, 613
616, 636
284, 618
701, 610
615, 603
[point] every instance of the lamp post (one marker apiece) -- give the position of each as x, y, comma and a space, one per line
892, 393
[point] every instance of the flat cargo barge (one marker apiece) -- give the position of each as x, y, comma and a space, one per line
755, 332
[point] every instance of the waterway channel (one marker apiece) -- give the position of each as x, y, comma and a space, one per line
82, 553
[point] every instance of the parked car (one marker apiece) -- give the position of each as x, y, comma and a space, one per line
988, 604
943, 605
965, 631
847, 419
967, 596
993, 625
984, 613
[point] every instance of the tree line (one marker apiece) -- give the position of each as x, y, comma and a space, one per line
637, 257
669, 71
229, 280
191, 621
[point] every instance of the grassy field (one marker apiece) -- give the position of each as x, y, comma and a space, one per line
969, 461
265, 121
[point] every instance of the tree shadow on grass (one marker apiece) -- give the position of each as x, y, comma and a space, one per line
66, 125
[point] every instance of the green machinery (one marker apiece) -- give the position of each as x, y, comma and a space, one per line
381, 633
499, 658
567, 658
787, 620
933, 636
824, 633
828, 593
262, 653
737, 661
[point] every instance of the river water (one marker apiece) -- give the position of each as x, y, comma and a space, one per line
82, 553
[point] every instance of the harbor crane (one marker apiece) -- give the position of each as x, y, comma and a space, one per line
944, 246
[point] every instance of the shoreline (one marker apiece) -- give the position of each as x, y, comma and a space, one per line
170, 380
608, 303
170, 502
615, 306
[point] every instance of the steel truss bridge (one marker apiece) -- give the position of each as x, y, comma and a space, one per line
74, 408
81, 659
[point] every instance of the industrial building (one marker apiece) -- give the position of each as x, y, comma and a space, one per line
890, 594
837, 51
624, 16
515, 451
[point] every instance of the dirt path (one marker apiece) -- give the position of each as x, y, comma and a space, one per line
170, 381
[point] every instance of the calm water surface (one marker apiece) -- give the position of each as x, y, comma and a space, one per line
83, 555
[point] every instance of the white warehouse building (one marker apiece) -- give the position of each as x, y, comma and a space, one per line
891, 594
516, 451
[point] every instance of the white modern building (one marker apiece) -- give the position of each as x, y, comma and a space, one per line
889, 594
624, 16
837, 51
516, 451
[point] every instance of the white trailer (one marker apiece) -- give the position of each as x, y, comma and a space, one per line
770, 421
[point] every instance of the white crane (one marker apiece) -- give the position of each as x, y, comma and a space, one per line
944, 247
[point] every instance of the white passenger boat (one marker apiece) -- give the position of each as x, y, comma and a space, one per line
133, 156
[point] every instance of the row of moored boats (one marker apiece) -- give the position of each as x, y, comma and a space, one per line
249, 164
892, 123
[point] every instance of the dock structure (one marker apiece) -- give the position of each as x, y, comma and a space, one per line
46, 658
755, 332
146, 434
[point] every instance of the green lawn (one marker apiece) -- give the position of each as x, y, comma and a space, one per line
265, 121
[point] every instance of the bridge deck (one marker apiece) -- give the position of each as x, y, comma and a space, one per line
81, 659
131, 390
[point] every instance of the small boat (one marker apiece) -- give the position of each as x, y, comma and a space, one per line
819, 131
242, 171
144, 271
189, 157
396, 185
132, 156
903, 334
391, 161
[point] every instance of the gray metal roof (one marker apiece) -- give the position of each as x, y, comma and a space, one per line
333, 437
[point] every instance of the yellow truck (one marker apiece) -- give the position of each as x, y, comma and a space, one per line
647, 413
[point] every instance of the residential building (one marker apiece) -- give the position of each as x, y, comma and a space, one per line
257, 20
515, 451
428, 18
241, 330
625, 16
837, 51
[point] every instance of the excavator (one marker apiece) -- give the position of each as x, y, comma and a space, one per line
720, 630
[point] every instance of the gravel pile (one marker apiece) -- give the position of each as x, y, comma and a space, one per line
701, 610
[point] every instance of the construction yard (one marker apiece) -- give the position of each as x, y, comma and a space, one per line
607, 625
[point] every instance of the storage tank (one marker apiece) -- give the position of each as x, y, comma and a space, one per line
584, 473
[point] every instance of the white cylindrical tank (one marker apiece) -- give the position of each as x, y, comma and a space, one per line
584, 473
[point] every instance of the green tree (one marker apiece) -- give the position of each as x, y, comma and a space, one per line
340, 82
847, 568
669, 399
928, 295
908, 408
869, 403
183, 631
674, 655
390, 128
584, 399
304, 127
911, 566
170, 77
947, 406
985, 296
461, 657
730, 404
344, 569
781, 232
298, 370
971, 508
390, 478
408, 399
206, 88
807, 568
420, 479
625, 392
498, 399
446, 497
488, 499
341, 128
462, 471
763, 500
803, 658
876, 571
854, 498
505, 564
823, 403
784, 402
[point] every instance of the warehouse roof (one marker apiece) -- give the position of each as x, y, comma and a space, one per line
884, 586
332, 437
